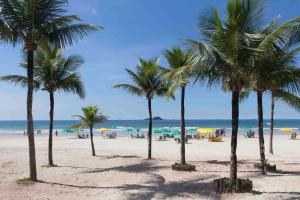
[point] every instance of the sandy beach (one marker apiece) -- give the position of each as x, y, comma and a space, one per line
120, 170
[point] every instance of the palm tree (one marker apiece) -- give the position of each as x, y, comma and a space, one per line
225, 55
178, 63
287, 86
90, 117
31, 22
53, 72
272, 71
148, 81
286, 97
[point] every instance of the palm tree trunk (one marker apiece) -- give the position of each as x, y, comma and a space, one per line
150, 130
234, 133
182, 126
30, 129
51, 113
92, 141
272, 123
261, 132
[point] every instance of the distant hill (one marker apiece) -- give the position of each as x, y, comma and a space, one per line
155, 118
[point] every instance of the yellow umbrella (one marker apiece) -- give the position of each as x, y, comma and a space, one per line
206, 130
287, 129
104, 129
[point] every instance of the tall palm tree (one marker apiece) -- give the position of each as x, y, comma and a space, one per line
52, 73
29, 23
225, 55
287, 86
286, 97
90, 117
177, 74
148, 81
272, 71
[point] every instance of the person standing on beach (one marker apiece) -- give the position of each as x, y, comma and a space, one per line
56, 133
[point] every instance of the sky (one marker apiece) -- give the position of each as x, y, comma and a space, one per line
133, 29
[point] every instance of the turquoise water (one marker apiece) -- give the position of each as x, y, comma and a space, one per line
20, 126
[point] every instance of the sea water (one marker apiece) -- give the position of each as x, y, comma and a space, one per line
18, 127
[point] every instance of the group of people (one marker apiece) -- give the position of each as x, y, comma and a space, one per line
220, 132
39, 132
250, 134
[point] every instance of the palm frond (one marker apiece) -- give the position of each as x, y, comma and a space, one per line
19, 80
288, 98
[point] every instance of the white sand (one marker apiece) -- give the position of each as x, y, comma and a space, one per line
120, 170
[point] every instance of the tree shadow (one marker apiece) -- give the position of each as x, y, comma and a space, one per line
282, 172
117, 156
225, 163
76, 186
158, 186
288, 195
146, 166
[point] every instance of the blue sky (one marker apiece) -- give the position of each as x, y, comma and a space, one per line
132, 29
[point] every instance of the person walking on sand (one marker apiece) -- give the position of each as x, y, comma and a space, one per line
56, 133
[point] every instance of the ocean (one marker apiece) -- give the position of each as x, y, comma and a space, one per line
9, 127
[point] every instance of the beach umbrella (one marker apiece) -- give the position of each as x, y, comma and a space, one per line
104, 129
68, 130
287, 129
138, 130
176, 132
128, 130
206, 130
192, 129
166, 131
114, 127
246, 127
156, 131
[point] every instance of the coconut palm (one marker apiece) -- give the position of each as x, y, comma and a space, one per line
29, 23
53, 73
225, 56
148, 81
177, 74
272, 71
287, 86
91, 116
286, 97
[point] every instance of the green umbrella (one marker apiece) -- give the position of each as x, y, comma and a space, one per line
192, 129
138, 129
176, 132
246, 127
166, 131
114, 127
69, 130
128, 129
156, 131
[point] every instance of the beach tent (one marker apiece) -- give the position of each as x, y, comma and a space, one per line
206, 130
